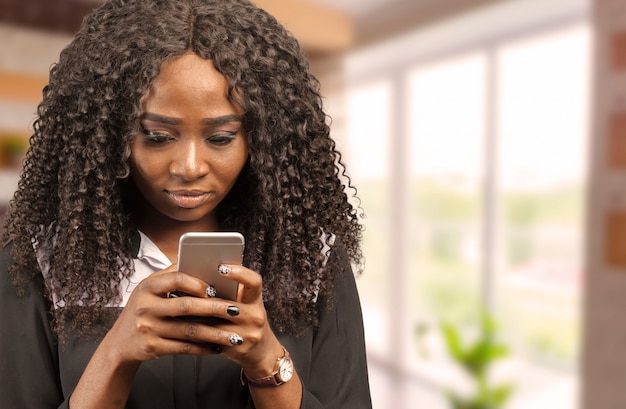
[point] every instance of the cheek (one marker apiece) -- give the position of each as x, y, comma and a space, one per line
229, 165
134, 157
141, 174
227, 170
144, 165
239, 162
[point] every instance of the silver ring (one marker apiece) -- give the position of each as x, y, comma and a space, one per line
211, 292
235, 339
223, 269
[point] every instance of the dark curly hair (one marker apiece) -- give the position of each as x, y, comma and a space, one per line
289, 201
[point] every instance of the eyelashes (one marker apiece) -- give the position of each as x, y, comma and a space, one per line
222, 139
155, 137
159, 137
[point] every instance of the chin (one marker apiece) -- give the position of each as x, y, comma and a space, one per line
190, 215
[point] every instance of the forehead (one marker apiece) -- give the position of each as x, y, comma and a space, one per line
187, 79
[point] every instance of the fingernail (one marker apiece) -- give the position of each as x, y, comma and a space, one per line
235, 339
232, 311
211, 292
216, 349
223, 269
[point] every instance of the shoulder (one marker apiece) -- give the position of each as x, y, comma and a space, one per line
5, 254
15, 284
343, 280
5, 262
339, 260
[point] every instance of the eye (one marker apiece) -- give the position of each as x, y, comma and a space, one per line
222, 139
156, 137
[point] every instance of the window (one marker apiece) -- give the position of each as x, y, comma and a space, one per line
470, 160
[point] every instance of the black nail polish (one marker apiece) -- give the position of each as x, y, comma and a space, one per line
216, 349
232, 311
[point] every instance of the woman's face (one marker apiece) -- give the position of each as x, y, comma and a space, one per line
192, 146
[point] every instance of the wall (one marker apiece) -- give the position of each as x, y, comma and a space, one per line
25, 57
604, 363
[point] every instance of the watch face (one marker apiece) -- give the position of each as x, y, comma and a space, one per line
285, 370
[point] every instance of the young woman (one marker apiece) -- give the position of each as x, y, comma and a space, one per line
164, 117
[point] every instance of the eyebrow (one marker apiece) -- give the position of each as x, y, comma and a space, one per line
220, 120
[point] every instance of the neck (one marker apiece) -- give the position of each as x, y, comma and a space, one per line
165, 232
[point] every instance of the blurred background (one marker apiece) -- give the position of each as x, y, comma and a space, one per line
464, 125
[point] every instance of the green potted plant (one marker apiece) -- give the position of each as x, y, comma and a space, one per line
476, 359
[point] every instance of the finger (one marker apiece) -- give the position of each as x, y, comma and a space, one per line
194, 331
172, 281
185, 306
224, 311
250, 281
166, 346
210, 292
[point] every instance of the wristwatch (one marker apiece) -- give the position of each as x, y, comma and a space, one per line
283, 372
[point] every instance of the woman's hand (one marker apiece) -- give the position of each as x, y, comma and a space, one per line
147, 328
152, 325
259, 350
149, 325
247, 319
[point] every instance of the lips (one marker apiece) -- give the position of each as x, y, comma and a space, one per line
188, 199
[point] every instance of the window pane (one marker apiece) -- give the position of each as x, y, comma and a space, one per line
446, 129
542, 166
368, 145
369, 135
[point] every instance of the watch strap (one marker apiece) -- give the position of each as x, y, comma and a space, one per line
265, 381
270, 380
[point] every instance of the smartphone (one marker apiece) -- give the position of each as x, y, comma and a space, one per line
199, 254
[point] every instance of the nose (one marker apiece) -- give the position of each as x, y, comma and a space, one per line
189, 162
